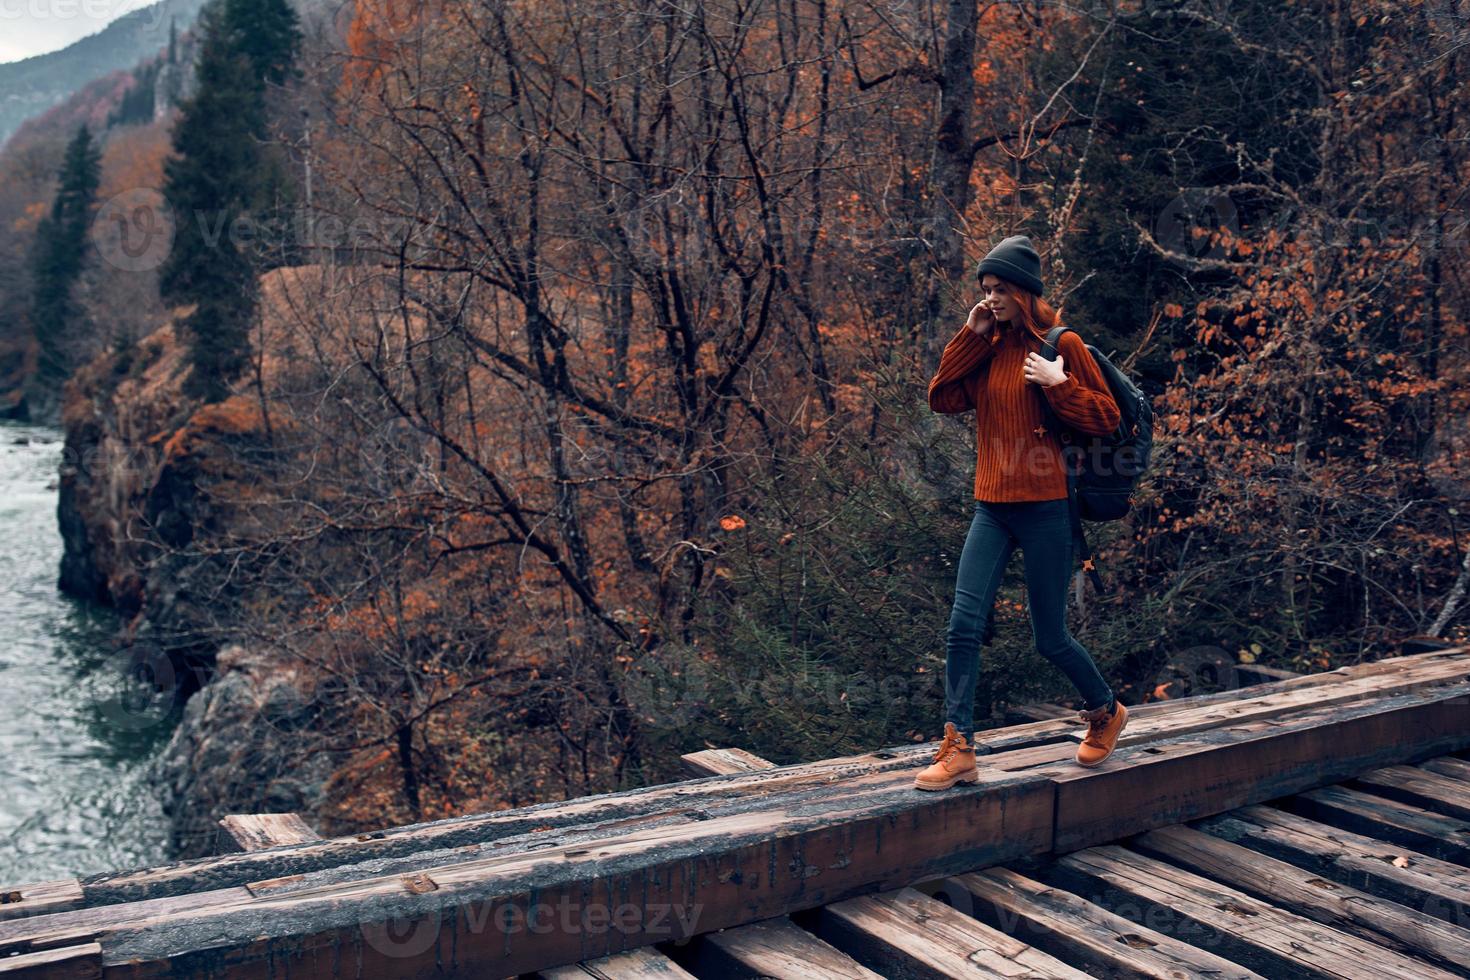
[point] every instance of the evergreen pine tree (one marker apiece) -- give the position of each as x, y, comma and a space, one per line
268, 33
57, 262
213, 184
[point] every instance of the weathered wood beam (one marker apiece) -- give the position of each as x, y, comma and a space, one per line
1176, 779
1054, 755
772, 948
1016, 748
491, 914
574, 817
720, 762
1081, 932
645, 963
1382, 868
80, 962
1413, 785
40, 898
1447, 765
692, 871
241, 832
1443, 837
905, 933
1275, 700
1386, 923
1215, 916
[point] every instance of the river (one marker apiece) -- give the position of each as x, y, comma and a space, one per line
75, 801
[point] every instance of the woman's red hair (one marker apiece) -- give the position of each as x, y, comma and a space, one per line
1037, 315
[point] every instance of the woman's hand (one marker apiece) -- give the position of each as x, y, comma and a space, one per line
1043, 372
981, 320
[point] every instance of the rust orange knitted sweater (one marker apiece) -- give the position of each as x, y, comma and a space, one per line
1019, 458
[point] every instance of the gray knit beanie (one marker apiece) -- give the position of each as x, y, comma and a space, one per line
1014, 259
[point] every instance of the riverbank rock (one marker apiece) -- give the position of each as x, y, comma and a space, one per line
150, 485
239, 749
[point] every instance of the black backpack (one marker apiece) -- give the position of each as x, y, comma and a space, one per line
1102, 471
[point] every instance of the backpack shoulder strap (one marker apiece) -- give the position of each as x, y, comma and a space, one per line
1049, 348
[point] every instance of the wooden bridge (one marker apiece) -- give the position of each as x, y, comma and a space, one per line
1315, 826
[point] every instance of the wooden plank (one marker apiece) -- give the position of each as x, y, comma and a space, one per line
564, 823
1395, 872
40, 898
744, 863
1447, 765
634, 964
1257, 934
1393, 674
1436, 835
43, 933
81, 962
1423, 643
1261, 674
1276, 700
719, 762
1173, 780
772, 948
1155, 720
1415, 786
548, 825
835, 834
71, 927
1080, 932
1389, 924
257, 831
1062, 767
1040, 711
905, 933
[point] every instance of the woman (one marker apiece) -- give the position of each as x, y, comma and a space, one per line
994, 367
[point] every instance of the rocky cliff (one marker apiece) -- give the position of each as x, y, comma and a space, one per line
116, 413
228, 753
148, 481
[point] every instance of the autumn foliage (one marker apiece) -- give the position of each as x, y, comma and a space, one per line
595, 430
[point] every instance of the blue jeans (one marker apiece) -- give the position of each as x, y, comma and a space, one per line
1043, 530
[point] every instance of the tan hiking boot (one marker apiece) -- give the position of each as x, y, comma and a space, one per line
953, 763
1103, 730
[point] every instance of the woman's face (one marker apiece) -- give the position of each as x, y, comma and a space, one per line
1000, 296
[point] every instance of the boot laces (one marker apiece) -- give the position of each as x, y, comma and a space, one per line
1097, 719
949, 746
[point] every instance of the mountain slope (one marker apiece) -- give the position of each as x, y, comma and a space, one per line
33, 85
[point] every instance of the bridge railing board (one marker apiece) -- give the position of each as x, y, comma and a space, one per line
832, 831
1014, 748
241, 832
744, 859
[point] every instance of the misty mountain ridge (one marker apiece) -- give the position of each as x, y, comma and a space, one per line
33, 85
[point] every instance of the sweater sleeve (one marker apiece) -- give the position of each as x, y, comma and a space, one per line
953, 388
1083, 399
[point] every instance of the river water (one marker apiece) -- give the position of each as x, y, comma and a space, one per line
74, 801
